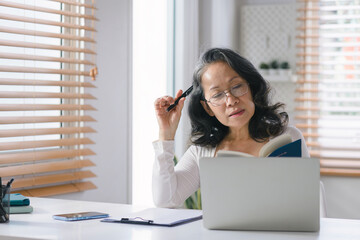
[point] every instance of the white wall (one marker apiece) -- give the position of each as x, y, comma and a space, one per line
113, 115
218, 24
186, 54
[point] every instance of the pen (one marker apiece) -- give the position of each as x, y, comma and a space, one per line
6, 188
9, 183
186, 93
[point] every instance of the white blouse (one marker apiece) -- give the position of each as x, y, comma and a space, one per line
173, 185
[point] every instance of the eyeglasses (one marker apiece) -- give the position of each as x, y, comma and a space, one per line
237, 90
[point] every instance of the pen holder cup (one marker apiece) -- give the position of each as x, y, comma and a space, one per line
4, 204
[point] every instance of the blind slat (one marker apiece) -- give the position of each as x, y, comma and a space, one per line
328, 163
10, 158
315, 72
44, 46
335, 126
44, 143
329, 8
316, 26
57, 190
44, 34
45, 22
51, 179
42, 70
31, 82
45, 119
33, 107
343, 118
307, 117
4, 3
44, 58
332, 81
322, 154
340, 109
333, 147
329, 54
13, 94
75, 3
312, 54
315, 135
303, 108
26, 169
45, 131
328, 135
340, 172
334, 90
327, 100
329, 45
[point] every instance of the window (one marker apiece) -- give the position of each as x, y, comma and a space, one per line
47, 59
150, 70
329, 83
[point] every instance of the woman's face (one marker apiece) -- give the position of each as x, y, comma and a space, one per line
235, 112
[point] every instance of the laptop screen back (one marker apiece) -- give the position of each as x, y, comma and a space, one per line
279, 194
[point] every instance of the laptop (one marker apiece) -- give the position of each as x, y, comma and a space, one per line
270, 194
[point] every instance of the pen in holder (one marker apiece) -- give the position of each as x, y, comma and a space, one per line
5, 202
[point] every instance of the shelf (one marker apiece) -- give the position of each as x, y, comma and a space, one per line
279, 78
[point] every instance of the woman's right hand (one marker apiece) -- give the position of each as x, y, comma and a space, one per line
168, 121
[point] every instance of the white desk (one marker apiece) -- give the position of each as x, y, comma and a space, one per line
40, 225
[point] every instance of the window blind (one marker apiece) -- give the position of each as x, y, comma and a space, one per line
47, 61
328, 86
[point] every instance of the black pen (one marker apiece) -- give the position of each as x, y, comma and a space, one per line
6, 188
186, 93
9, 183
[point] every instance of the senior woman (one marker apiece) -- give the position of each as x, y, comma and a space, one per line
229, 109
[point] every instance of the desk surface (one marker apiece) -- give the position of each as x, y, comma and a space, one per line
40, 225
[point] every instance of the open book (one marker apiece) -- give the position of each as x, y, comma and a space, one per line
281, 146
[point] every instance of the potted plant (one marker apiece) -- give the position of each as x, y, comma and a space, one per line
274, 65
285, 69
264, 68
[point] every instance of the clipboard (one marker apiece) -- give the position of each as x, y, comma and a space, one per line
159, 217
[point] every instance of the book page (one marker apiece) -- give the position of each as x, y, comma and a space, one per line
265, 151
225, 153
274, 144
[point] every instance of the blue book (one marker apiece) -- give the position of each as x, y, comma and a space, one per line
20, 209
292, 149
17, 199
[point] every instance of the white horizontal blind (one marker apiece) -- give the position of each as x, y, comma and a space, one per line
47, 59
329, 83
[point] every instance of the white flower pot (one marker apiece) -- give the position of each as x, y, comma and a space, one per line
284, 72
264, 72
273, 72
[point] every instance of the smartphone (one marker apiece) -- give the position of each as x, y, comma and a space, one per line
80, 216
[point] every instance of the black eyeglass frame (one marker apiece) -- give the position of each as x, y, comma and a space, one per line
228, 91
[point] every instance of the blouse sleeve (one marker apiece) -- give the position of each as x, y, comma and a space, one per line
295, 135
173, 185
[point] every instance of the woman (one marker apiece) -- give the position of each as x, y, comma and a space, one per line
229, 110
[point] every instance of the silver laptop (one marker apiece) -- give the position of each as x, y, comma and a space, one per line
276, 194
